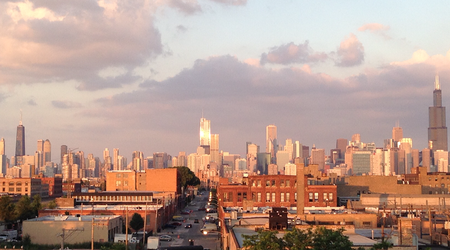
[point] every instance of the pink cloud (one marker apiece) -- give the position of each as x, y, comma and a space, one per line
231, 2
292, 53
376, 28
350, 52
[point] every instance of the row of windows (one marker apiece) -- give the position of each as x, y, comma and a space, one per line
436, 178
119, 183
314, 197
120, 175
12, 183
272, 183
17, 189
114, 198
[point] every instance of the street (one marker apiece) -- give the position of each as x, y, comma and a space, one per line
181, 235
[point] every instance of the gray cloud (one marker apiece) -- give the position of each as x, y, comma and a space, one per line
231, 2
66, 104
32, 102
350, 52
186, 6
240, 100
292, 53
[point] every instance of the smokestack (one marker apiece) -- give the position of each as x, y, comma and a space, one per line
300, 188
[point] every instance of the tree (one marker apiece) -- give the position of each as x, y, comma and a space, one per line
188, 177
52, 204
7, 209
137, 222
23, 208
384, 244
318, 238
331, 239
36, 205
298, 239
264, 240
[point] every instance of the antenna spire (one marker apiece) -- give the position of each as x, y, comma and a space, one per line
437, 86
20, 123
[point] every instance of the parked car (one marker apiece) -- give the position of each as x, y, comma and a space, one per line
196, 221
201, 208
170, 226
188, 226
186, 212
176, 224
165, 238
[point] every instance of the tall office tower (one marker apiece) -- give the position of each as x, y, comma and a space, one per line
2, 146
341, 144
160, 160
2, 158
406, 145
318, 157
182, 159
282, 160
205, 132
437, 131
64, 151
305, 153
397, 133
426, 159
138, 160
39, 154
116, 159
20, 144
214, 150
262, 163
252, 153
290, 149
356, 138
441, 160
193, 162
47, 151
415, 157
271, 142
298, 150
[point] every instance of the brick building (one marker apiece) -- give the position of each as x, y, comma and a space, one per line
161, 180
431, 182
54, 186
24, 186
274, 191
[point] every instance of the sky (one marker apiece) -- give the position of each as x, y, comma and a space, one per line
138, 75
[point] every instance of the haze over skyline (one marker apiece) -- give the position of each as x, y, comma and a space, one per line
136, 75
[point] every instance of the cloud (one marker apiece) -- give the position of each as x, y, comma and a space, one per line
32, 102
350, 52
376, 28
46, 41
181, 28
187, 7
231, 2
66, 104
292, 53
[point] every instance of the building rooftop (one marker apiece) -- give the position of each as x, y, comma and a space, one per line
75, 218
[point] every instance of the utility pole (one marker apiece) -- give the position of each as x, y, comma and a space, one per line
126, 230
145, 223
67, 233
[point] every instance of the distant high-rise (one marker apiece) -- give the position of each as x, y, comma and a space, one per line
64, 151
397, 133
47, 151
205, 132
214, 150
20, 144
271, 142
2, 146
341, 144
116, 159
437, 130
2, 158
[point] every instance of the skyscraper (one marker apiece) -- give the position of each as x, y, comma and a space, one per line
271, 142
215, 156
116, 159
205, 132
437, 130
20, 144
397, 133
2, 158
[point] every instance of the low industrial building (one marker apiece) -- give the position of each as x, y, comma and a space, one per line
52, 230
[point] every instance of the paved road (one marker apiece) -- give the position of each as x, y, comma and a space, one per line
181, 235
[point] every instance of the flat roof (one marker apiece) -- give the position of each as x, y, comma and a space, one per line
75, 218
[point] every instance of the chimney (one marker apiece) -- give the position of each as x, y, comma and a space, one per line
300, 188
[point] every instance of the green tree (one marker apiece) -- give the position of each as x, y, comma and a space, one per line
36, 205
264, 240
137, 222
298, 239
324, 238
7, 209
52, 204
384, 244
188, 177
23, 208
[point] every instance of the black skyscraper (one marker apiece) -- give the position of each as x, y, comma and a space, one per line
20, 144
437, 131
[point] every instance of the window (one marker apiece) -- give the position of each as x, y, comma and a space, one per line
259, 183
273, 197
259, 197
11, 189
118, 176
273, 183
254, 183
244, 196
281, 183
18, 189
125, 183
288, 183
239, 197
325, 196
282, 197
118, 183
267, 183
253, 196
125, 175
288, 197
230, 196
11, 183
310, 197
225, 197
316, 197
295, 197
267, 197
18, 183
330, 196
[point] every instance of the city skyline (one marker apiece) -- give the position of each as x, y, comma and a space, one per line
119, 81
